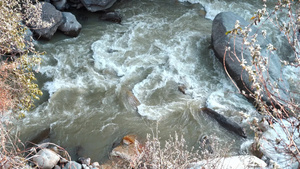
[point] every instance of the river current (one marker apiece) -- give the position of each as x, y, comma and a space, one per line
161, 44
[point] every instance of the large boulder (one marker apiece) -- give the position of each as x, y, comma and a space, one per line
51, 19
224, 22
97, 5
71, 26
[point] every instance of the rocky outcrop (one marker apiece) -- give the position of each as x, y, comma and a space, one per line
224, 22
51, 19
97, 5
71, 26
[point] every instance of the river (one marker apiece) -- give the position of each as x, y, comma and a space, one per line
159, 45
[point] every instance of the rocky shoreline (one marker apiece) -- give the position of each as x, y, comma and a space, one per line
48, 155
54, 17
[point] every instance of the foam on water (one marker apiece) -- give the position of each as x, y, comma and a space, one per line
212, 8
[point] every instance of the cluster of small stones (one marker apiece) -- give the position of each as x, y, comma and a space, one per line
50, 156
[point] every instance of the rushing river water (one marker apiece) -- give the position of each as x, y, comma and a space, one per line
161, 44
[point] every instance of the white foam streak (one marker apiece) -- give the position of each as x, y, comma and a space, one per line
212, 8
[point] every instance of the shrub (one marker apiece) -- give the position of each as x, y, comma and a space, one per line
284, 16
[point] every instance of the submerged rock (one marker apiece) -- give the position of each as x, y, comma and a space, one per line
132, 100
97, 5
111, 17
224, 22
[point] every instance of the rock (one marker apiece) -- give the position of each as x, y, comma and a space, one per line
225, 122
241, 162
129, 139
63, 160
59, 4
205, 144
95, 165
51, 19
128, 150
97, 5
86, 161
224, 22
72, 165
132, 100
276, 142
46, 159
182, 88
57, 167
127, 153
84, 166
71, 26
111, 17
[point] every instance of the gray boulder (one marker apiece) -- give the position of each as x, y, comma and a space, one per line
51, 18
71, 26
97, 5
46, 159
224, 22
59, 4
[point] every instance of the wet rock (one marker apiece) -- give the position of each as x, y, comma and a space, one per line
111, 17
59, 4
128, 150
46, 159
225, 22
97, 5
132, 100
225, 122
71, 26
182, 88
72, 165
51, 19
205, 144
254, 149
